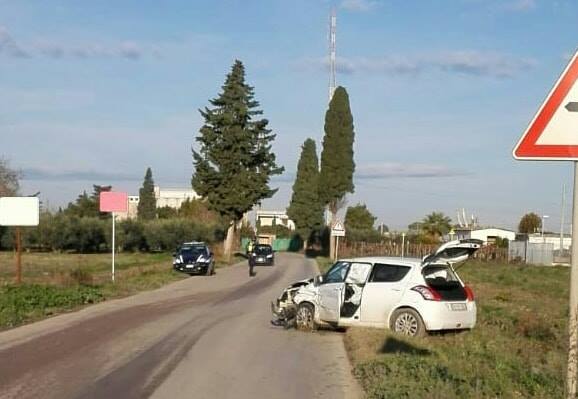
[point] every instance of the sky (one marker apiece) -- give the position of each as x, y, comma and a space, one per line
96, 92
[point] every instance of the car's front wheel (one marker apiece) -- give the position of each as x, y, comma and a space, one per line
305, 317
407, 322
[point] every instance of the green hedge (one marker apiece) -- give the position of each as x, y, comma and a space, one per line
62, 232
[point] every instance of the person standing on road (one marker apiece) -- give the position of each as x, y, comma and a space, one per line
251, 265
249, 248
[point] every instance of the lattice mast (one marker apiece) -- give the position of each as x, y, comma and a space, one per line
332, 29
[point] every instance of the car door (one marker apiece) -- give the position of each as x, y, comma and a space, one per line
383, 291
331, 292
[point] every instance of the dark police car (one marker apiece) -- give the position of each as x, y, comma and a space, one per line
262, 255
194, 258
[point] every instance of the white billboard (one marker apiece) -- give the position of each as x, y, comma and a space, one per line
19, 211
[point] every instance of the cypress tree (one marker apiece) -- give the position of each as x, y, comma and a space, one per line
147, 204
305, 209
337, 165
234, 163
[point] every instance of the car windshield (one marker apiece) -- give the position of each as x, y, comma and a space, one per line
337, 273
263, 249
193, 251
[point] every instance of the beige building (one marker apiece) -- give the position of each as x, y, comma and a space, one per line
274, 218
171, 197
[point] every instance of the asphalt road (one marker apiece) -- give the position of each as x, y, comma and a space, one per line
202, 337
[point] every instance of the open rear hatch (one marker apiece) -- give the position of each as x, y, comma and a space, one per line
453, 252
438, 271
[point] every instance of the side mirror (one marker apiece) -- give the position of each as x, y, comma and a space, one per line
174, 254
211, 254
318, 280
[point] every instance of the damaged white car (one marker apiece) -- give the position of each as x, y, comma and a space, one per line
409, 296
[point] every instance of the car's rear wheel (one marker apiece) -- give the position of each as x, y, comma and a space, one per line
407, 322
305, 317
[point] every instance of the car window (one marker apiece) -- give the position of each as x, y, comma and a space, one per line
383, 273
263, 249
337, 273
358, 273
194, 251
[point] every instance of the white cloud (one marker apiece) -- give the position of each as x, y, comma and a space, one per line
386, 170
56, 49
465, 62
358, 5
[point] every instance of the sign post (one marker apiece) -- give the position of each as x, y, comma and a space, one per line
113, 202
552, 136
337, 230
17, 212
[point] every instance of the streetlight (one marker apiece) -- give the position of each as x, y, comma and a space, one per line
543, 218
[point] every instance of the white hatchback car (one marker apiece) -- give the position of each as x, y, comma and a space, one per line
409, 296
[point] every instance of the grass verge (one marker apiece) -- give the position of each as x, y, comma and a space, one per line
517, 349
56, 283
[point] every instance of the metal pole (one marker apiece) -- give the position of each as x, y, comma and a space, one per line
18, 256
402, 244
113, 245
562, 220
336, 247
573, 321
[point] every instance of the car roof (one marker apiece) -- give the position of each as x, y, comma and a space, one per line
194, 243
386, 259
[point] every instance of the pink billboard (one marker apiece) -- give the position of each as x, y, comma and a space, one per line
111, 201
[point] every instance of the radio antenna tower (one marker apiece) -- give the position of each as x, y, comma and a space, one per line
332, 29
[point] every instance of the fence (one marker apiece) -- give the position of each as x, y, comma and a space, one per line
354, 249
531, 252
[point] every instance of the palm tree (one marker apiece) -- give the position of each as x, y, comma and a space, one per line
436, 224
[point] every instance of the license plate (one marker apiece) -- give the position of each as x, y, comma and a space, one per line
189, 266
458, 306
259, 259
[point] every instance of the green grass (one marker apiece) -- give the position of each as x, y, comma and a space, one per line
55, 283
517, 349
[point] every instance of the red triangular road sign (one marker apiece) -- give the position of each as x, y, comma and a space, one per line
553, 133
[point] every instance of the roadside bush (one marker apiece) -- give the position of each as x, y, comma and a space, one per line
132, 237
67, 232
167, 234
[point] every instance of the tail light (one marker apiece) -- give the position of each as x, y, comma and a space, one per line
469, 293
428, 293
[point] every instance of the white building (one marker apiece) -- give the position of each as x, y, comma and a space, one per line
171, 197
551, 238
488, 236
274, 218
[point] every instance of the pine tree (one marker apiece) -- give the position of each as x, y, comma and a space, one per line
234, 163
337, 165
147, 203
305, 209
